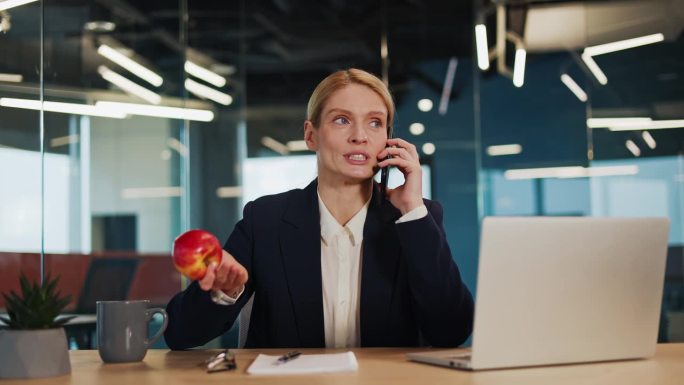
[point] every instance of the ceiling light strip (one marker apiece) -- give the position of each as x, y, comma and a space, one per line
297, 145
131, 65
632, 147
151, 192
14, 78
160, 111
651, 125
129, 86
208, 93
205, 74
519, 67
648, 138
7, 4
574, 87
594, 69
504, 149
178, 146
624, 44
274, 145
65, 108
570, 172
615, 122
229, 192
482, 48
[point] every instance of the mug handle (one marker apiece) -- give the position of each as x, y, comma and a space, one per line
149, 313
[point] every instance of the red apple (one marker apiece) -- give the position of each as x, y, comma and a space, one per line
193, 251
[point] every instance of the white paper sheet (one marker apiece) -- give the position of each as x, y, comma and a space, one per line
305, 364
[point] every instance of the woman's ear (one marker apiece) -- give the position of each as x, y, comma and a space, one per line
310, 136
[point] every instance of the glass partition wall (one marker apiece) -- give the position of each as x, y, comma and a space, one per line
593, 126
105, 108
158, 117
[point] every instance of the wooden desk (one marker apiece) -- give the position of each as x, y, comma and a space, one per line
376, 366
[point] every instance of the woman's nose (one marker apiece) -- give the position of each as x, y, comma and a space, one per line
358, 135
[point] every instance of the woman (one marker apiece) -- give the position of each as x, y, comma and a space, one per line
336, 264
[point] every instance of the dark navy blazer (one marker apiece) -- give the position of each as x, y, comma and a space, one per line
411, 289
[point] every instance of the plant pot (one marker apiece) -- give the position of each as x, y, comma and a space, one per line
33, 353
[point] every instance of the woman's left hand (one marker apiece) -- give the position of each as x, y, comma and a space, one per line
404, 157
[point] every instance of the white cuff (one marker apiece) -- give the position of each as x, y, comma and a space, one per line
417, 213
221, 298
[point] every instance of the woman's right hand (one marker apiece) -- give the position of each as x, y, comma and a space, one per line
229, 276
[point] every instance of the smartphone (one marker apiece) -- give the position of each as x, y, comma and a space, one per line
384, 173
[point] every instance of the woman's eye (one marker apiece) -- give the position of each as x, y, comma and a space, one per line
341, 120
376, 124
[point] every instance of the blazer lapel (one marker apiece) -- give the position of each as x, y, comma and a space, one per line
380, 264
300, 247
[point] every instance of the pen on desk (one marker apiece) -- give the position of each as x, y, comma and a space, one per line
287, 357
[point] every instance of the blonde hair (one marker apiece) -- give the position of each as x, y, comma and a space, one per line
341, 79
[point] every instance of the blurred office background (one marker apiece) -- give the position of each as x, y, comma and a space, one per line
161, 116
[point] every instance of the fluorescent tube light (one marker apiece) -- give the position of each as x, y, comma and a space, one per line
151, 192
64, 140
133, 66
546, 172
7, 4
651, 125
482, 48
297, 145
275, 145
648, 138
612, 170
160, 111
129, 86
624, 44
616, 122
594, 69
178, 146
229, 192
65, 108
633, 124
504, 149
208, 93
99, 26
570, 172
207, 75
574, 87
14, 78
632, 147
519, 67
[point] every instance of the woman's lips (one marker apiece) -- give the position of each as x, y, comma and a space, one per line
357, 157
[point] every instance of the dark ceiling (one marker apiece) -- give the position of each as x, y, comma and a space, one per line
280, 49
289, 46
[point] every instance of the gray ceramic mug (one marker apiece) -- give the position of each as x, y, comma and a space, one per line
122, 329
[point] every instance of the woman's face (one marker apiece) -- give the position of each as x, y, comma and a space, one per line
352, 131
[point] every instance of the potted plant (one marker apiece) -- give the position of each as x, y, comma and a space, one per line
34, 343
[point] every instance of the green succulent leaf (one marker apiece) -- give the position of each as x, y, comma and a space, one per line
38, 306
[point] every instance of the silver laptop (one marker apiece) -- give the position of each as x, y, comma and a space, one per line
559, 290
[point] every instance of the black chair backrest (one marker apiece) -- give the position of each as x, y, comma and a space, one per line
108, 279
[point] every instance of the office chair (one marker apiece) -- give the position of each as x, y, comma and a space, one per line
108, 279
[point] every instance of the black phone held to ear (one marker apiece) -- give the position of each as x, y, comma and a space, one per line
384, 177
384, 174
